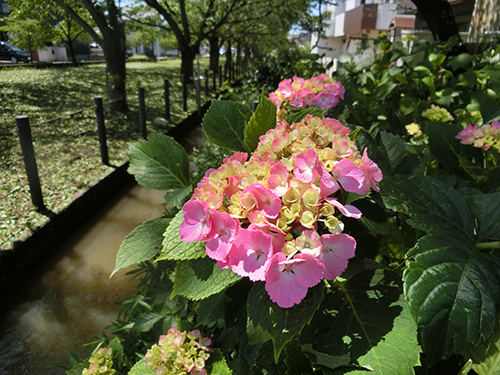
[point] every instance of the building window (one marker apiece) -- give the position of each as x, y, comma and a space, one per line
5, 8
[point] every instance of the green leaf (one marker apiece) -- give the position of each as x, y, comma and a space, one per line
444, 97
486, 357
368, 320
117, 353
200, 278
176, 197
140, 368
176, 249
146, 321
394, 148
210, 309
431, 204
327, 360
224, 124
142, 244
78, 369
160, 163
281, 324
408, 105
296, 360
451, 153
220, 367
296, 115
261, 121
486, 211
453, 292
459, 61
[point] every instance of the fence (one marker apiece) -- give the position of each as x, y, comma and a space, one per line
98, 132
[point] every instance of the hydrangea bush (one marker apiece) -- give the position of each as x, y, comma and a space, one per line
255, 245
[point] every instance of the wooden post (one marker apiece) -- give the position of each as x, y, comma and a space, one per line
24, 131
101, 129
206, 82
184, 92
166, 86
142, 113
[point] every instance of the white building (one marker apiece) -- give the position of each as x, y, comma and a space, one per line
354, 22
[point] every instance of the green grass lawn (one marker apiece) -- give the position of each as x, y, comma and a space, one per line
67, 150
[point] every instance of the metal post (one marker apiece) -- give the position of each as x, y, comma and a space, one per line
24, 131
166, 86
206, 82
215, 80
101, 129
142, 113
255, 103
225, 72
220, 75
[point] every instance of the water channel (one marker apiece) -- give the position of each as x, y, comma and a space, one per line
69, 296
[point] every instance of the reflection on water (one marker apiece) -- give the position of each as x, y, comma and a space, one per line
70, 296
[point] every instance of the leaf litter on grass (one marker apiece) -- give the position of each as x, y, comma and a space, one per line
67, 150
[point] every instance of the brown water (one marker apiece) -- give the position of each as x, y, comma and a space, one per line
69, 296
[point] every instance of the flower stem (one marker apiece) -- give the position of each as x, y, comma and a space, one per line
488, 245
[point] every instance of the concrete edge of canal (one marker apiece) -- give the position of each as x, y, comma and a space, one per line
14, 262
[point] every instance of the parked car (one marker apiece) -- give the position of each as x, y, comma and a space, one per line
13, 54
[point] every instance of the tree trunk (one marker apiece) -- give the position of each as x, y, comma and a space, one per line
441, 21
214, 53
229, 56
116, 73
187, 63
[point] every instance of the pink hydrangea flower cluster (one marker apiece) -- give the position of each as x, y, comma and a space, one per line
321, 90
179, 353
485, 136
275, 217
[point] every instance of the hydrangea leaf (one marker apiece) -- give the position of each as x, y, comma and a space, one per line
367, 321
140, 368
486, 210
224, 124
281, 324
159, 163
174, 248
394, 149
142, 244
176, 197
219, 364
263, 119
117, 354
486, 357
200, 278
453, 291
431, 204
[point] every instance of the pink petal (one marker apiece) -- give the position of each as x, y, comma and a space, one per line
349, 176
347, 210
196, 224
337, 249
224, 231
288, 288
250, 254
306, 166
